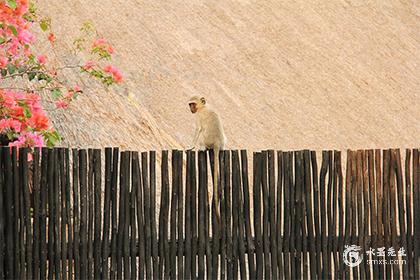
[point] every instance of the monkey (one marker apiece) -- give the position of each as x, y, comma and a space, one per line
208, 134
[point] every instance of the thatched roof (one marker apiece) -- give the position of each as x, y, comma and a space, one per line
282, 74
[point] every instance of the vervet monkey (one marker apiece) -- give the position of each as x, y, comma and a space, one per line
208, 135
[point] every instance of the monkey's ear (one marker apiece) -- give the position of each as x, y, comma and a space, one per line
203, 100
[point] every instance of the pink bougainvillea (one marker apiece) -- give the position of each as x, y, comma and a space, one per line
23, 121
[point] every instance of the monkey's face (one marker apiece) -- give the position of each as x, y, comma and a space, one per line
193, 107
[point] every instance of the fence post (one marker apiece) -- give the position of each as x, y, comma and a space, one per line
163, 219
202, 190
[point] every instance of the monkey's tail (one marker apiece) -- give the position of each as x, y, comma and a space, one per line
216, 185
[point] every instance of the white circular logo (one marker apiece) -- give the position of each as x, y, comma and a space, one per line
351, 255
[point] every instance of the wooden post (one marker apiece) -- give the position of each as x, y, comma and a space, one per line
18, 213
121, 217
133, 220
272, 207
152, 168
386, 209
286, 215
341, 213
2, 216
393, 198
335, 204
202, 190
90, 221
307, 189
188, 233
76, 213
301, 263
126, 228
174, 202
228, 212
401, 211
83, 214
324, 167
347, 233
180, 213
194, 211
223, 216
114, 222
360, 211
107, 213
247, 215
380, 203
292, 209
373, 208
257, 214
236, 174
8, 204
137, 181
416, 210
64, 226
36, 214
163, 219
408, 203
98, 212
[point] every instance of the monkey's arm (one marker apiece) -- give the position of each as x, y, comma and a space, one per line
196, 137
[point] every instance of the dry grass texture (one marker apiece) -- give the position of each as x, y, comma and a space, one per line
282, 74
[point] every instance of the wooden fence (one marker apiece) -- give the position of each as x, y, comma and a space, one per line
69, 214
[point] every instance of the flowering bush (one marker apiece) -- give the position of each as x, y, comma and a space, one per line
23, 122
24, 74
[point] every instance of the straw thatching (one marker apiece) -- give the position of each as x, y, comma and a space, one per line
282, 74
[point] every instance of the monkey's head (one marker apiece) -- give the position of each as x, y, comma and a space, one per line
196, 103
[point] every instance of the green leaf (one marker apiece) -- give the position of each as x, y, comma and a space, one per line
13, 29
44, 77
11, 68
31, 76
4, 72
51, 138
12, 4
45, 24
27, 113
21, 69
32, 8
2, 41
56, 93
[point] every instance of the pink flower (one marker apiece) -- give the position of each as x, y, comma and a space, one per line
25, 36
61, 104
28, 139
22, 8
99, 42
39, 121
88, 65
27, 52
109, 68
10, 124
116, 73
51, 37
3, 61
77, 88
42, 58
69, 94
8, 98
